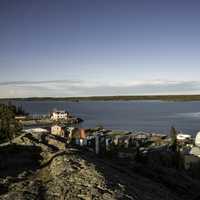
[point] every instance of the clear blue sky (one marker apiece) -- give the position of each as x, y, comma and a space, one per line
99, 47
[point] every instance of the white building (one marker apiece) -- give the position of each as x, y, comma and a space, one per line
57, 115
57, 130
183, 137
197, 139
36, 130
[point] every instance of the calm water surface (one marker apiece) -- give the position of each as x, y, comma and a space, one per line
154, 116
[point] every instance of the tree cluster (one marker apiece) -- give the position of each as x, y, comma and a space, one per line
9, 127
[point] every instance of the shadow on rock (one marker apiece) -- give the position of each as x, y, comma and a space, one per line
139, 182
15, 159
42, 139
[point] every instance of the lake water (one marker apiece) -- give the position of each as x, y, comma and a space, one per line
153, 116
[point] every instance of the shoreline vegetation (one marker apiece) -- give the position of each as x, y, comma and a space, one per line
112, 98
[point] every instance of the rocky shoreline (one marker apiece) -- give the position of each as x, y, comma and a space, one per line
49, 122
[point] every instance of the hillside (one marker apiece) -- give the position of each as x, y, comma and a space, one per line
41, 167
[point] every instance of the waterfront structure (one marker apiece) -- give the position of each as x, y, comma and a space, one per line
57, 130
20, 118
183, 137
197, 139
60, 115
36, 130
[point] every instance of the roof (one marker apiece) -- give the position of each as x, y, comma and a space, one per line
60, 112
56, 125
36, 130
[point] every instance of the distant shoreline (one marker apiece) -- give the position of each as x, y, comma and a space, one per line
112, 98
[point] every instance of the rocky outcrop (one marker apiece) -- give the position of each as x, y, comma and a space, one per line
47, 169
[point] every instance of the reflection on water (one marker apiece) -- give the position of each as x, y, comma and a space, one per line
188, 115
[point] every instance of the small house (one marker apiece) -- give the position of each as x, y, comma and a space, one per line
58, 130
36, 130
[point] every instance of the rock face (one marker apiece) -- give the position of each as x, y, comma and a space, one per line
47, 170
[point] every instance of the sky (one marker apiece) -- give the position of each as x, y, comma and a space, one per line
99, 47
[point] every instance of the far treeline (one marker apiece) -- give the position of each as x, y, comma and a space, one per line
115, 98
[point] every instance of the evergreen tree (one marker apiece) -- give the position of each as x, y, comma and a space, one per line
8, 125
